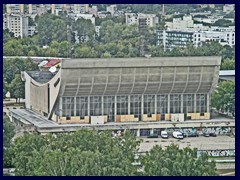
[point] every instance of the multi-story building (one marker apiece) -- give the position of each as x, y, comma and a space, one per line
144, 19
15, 8
125, 90
112, 9
97, 30
16, 23
224, 38
93, 10
180, 23
227, 8
170, 39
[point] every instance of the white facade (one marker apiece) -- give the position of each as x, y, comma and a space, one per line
15, 8
16, 23
132, 18
97, 29
112, 9
227, 8
170, 39
85, 16
224, 38
179, 23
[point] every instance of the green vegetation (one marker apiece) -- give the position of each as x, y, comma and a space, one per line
8, 134
12, 76
88, 152
223, 98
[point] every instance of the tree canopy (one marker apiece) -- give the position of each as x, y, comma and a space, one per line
90, 152
223, 98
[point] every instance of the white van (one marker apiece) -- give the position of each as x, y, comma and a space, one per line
177, 135
164, 134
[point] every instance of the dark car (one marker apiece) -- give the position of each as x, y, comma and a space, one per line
206, 134
212, 134
193, 135
153, 136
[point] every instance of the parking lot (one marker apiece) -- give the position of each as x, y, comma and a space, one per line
201, 142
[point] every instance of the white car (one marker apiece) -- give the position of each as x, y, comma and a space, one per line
177, 135
164, 134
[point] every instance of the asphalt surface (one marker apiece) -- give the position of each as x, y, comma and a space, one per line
201, 142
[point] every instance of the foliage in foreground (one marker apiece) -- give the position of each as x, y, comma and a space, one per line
223, 98
176, 162
89, 152
8, 134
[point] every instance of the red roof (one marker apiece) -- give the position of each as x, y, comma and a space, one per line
52, 62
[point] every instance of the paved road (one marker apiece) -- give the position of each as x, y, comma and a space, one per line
202, 143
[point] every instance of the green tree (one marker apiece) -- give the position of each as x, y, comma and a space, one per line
51, 27
223, 98
84, 28
8, 134
17, 88
228, 64
176, 162
84, 152
8, 131
7, 35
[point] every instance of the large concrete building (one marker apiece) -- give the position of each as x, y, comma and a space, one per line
124, 89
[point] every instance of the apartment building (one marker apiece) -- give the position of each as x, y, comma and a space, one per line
171, 39
15, 8
227, 8
140, 18
16, 23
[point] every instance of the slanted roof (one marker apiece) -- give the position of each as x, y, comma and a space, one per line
52, 62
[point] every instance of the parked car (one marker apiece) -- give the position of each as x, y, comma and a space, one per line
193, 135
206, 134
177, 135
212, 134
153, 136
164, 134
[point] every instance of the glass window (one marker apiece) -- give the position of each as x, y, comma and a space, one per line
122, 105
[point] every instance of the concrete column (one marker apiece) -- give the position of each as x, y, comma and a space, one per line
155, 104
102, 105
138, 132
129, 104
115, 107
142, 98
88, 105
181, 103
75, 106
208, 103
151, 131
195, 103
168, 110
60, 106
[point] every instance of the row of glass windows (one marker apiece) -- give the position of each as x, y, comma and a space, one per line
105, 105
